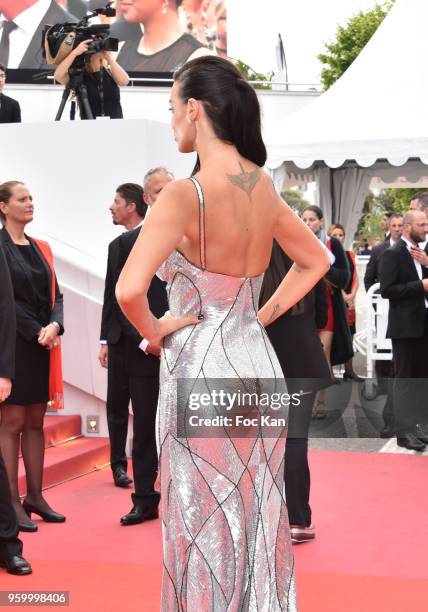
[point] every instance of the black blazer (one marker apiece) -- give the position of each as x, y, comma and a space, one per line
33, 56
338, 277
372, 270
7, 321
114, 324
10, 111
111, 329
400, 284
30, 316
339, 274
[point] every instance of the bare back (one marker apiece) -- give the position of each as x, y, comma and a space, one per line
240, 212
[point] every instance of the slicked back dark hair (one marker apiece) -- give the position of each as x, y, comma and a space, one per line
229, 101
133, 193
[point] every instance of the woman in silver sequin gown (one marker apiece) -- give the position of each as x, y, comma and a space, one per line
226, 536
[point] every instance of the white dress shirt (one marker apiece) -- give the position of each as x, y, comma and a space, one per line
28, 21
418, 265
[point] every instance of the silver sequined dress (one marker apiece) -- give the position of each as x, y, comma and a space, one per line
226, 541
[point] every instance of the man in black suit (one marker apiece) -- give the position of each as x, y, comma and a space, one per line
372, 270
10, 111
133, 371
404, 281
10, 545
383, 369
23, 22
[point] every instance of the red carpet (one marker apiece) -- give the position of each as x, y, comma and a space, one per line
370, 511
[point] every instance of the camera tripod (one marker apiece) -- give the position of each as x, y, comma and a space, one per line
77, 85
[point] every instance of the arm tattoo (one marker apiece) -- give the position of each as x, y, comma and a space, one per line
275, 309
246, 180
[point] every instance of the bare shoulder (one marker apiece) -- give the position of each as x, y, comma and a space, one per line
177, 193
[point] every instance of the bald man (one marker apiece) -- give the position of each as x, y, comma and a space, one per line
404, 281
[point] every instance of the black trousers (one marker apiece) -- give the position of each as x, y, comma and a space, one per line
385, 379
126, 383
410, 358
297, 477
10, 544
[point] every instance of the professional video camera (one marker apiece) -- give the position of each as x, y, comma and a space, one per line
59, 40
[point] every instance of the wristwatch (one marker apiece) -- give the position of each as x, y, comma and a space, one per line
57, 325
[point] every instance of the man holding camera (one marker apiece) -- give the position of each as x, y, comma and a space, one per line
404, 281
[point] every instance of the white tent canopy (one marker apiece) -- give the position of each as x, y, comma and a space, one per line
373, 122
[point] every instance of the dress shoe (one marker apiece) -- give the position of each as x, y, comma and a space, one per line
302, 534
16, 565
411, 442
387, 432
121, 478
139, 515
49, 517
422, 433
28, 526
352, 376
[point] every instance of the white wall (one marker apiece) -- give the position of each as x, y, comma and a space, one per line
73, 170
41, 102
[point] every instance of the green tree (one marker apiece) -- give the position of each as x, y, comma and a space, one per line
350, 40
251, 75
295, 199
401, 197
389, 200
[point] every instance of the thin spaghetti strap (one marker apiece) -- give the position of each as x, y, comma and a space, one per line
201, 221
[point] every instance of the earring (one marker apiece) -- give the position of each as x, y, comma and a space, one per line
165, 7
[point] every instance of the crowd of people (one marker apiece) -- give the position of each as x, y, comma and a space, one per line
400, 265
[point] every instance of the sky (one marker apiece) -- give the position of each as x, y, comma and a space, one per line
305, 26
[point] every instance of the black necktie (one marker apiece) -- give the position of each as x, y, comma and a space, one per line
8, 27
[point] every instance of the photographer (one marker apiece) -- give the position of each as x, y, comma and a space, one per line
102, 76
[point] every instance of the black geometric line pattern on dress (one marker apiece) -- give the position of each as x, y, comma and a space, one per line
245, 591
219, 505
250, 558
235, 488
179, 273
